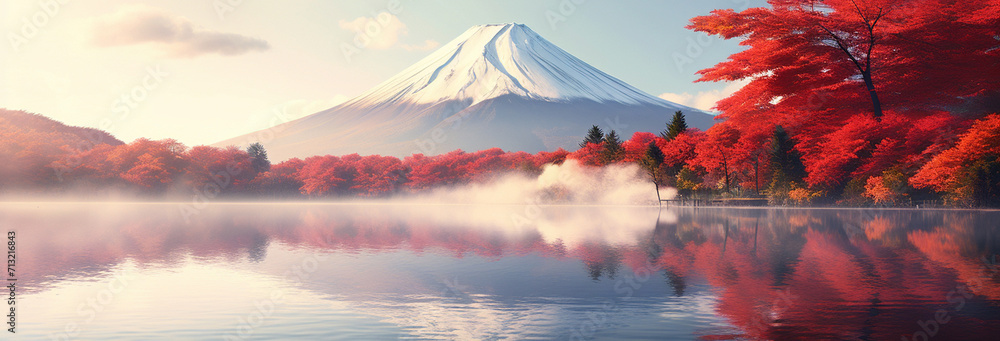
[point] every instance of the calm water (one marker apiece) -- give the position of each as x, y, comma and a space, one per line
254, 271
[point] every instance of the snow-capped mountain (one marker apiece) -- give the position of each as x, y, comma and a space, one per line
493, 86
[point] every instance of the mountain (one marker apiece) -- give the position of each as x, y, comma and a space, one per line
31, 143
19, 127
493, 86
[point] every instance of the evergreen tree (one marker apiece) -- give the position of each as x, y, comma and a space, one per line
787, 168
594, 135
784, 157
982, 178
652, 160
258, 157
677, 126
612, 151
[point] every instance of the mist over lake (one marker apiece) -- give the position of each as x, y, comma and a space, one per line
387, 271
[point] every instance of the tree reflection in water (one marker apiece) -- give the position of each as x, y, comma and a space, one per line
777, 273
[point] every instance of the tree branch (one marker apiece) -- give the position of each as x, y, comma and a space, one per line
860, 12
843, 47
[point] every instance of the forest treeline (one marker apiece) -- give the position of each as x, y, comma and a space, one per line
846, 102
45, 157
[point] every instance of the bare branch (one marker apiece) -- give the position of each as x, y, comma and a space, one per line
860, 12
843, 47
871, 38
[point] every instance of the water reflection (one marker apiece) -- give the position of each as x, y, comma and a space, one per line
440, 271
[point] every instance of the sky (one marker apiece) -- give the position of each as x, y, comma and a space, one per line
202, 71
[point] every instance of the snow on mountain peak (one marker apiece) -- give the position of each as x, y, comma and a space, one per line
488, 61
495, 86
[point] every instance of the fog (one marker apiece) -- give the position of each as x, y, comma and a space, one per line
569, 183
566, 183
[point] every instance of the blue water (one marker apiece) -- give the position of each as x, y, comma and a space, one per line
381, 271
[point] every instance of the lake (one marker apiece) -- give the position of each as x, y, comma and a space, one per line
395, 271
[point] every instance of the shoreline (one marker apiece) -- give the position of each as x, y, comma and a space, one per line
398, 202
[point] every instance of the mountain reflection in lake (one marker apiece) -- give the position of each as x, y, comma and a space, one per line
249, 271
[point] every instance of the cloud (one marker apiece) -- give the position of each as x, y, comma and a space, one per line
176, 35
704, 100
380, 33
427, 45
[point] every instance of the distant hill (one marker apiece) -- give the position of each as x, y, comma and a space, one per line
29, 143
11, 120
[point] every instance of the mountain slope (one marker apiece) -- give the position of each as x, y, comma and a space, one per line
493, 86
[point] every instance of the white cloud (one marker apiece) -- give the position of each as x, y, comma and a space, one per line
704, 100
177, 35
427, 45
380, 33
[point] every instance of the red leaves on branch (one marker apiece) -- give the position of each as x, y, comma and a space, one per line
589, 155
459, 167
804, 54
229, 168
729, 154
679, 151
378, 175
635, 148
862, 85
325, 175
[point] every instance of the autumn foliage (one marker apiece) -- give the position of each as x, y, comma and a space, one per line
31, 143
45, 157
851, 102
969, 169
863, 86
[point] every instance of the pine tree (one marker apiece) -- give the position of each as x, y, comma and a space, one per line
258, 157
786, 166
612, 148
677, 126
982, 181
594, 135
784, 157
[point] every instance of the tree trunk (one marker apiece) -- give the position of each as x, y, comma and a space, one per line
756, 174
658, 200
876, 104
725, 168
